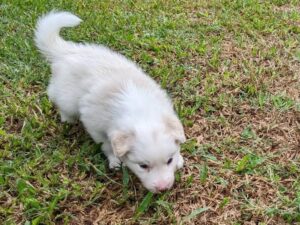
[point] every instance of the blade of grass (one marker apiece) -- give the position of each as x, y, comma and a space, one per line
142, 208
195, 213
203, 174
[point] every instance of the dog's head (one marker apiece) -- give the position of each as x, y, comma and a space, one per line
151, 151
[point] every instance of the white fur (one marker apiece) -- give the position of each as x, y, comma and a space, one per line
118, 104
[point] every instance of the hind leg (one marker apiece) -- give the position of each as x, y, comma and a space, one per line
65, 101
65, 117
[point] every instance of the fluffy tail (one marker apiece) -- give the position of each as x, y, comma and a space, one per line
47, 37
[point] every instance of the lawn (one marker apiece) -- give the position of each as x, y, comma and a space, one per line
233, 71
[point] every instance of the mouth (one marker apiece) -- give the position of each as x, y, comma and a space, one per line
153, 190
170, 186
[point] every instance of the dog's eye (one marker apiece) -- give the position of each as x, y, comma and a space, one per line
144, 166
170, 161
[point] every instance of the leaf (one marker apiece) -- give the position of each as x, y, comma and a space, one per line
248, 133
61, 195
125, 183
195, 213
24, 186
2, 133
225, 201
125, 176
144, 205
166, 205
242, 164
211, 157
31, 203
36, 220
248, 163
203, 174
297, 55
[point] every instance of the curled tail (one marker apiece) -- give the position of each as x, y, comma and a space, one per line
47, 37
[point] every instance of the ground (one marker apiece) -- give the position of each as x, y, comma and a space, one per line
233, 71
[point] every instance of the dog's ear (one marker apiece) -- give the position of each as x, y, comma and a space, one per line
121, 142
175, 128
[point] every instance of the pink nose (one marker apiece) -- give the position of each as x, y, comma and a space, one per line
162, 185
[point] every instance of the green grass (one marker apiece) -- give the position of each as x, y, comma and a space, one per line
232, 69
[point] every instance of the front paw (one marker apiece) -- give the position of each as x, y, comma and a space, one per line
180, 162
114, 163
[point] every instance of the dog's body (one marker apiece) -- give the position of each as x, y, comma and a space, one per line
118, 104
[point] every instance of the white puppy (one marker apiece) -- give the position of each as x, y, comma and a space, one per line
118, 104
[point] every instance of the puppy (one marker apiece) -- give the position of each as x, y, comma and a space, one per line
118, 104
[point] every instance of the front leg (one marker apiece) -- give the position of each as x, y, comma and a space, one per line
114, 162
180, 162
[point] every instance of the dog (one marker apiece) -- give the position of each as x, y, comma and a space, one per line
119, 105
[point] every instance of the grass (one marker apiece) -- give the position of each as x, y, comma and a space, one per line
233, 70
